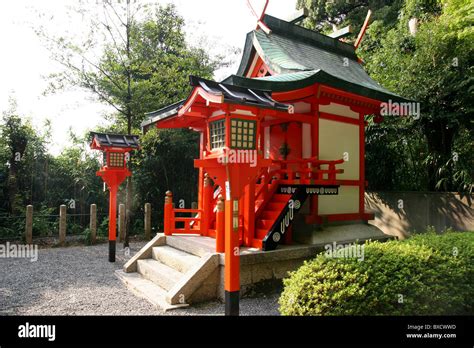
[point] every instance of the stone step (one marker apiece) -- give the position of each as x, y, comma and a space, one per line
148, 290
175, 258
198, 246
158, 273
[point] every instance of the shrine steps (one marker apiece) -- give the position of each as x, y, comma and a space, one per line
198, 273
268, 217
170, 272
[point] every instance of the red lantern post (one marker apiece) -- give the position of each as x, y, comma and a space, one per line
116, 149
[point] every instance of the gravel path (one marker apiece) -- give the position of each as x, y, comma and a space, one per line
80, 281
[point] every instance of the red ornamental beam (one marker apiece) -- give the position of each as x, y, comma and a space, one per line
362, 31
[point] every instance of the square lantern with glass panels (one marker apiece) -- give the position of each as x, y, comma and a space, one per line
116, 159
217, 134
243, 134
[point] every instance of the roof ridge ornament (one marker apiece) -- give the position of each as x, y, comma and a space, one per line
260, 23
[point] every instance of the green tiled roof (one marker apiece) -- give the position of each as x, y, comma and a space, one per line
288, 77
299, 57
292, 81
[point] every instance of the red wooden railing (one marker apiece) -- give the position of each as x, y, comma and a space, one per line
170, 218
199, 220
188, 228
298, 171
310, 171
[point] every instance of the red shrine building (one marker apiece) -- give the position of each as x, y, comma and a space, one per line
283, 138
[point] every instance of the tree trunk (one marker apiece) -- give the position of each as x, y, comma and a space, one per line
129, 194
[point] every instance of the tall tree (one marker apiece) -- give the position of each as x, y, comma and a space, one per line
16, 136
23, 153
133, 58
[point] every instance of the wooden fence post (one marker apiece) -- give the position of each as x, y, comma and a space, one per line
121, 226
29, 224
62, 224
147, 221
93, 223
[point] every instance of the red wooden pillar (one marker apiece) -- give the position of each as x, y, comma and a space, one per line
232, 257
220, 225
112, 221
169, 214
202, 149
249, 214
207, 196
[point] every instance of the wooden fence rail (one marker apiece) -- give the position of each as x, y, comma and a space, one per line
62, 229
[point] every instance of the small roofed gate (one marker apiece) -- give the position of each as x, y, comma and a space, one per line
289, 142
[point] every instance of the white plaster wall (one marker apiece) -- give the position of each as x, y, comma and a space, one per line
338, 109
337, 139
217, 113
243, 112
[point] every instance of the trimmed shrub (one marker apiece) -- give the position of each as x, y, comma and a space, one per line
427, 274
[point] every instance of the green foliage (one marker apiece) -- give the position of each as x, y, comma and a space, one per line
427, 274
324, 15
87, 238
135, 59
22, 150
138, 226
433, 67
422, 9
394, 156
166, 162
103, 228
42, 224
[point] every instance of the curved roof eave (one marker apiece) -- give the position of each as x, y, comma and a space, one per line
157, 115
246, 54
317, 76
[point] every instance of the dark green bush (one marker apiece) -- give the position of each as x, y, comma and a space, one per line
103, 228
425, 275
87, 236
